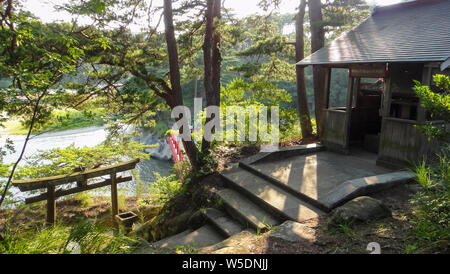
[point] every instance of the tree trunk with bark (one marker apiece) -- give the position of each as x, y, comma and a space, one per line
175, 78
212, 60
302, 99
317, 42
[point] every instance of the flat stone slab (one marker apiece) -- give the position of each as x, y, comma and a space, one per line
204, 236
267, 195
315, 175
294, 232
237, 244
226, 226
364, 186
239, 207
284, 153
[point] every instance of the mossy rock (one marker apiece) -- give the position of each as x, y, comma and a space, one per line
360, 210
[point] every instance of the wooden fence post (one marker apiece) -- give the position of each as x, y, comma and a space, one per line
51, 205
114, 198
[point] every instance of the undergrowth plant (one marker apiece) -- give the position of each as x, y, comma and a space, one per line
83, 238
432, 213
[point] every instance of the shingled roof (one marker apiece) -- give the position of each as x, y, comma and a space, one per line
415, 31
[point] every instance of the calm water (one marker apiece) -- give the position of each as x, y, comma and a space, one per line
88, 137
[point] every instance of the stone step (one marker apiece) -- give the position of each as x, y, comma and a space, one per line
248, 213
223, 224
271, 198
364, 186
202, 237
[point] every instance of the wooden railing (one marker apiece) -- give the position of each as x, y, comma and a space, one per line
81, 178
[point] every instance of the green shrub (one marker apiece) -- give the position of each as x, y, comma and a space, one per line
84, 238
166, 188
432, 215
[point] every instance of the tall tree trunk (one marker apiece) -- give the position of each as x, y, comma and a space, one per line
302, 99
175, 78
212, 60
317, 42
216, 56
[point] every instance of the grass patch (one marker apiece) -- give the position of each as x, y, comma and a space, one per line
60, 120
85, 237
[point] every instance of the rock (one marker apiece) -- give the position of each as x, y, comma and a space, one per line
73, 248
197, 220
362, 209
142, 231
293, 232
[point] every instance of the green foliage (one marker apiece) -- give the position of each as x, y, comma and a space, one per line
244, 94
437, 103
432, 216
60, 161
166, 188
83, 238
60, 120
84, 198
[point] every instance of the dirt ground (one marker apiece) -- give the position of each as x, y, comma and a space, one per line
68, 211
394, 234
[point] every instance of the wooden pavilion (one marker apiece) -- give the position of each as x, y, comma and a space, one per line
396, 45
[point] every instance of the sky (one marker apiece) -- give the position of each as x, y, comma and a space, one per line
44, 8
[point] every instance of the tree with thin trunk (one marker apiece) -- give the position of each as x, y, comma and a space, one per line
175, 78
302, 99
212, 60
317, 42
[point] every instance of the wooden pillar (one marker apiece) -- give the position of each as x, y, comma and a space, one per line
51, 205
327, 87
82, 183
114, 198
387, 98
348, 113
357, 93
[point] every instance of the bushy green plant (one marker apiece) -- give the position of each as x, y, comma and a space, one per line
84, 238
433, 204
437, 103
166, 188
432, 216
244, 94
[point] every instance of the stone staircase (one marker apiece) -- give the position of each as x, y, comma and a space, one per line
253, 200
276, 203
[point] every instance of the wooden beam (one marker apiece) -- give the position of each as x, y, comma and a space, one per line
114, 195
62, 193
35, 184
51, 205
